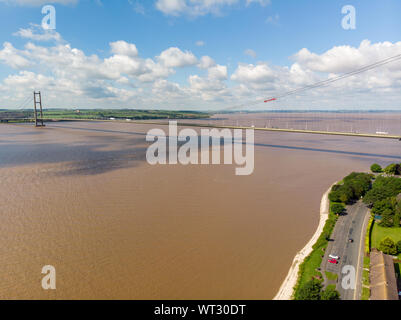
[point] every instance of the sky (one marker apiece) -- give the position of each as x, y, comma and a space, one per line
199, 54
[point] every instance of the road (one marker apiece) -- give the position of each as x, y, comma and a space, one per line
351, 225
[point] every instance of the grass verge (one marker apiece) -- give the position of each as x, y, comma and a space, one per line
369, 236
379, 233
365, 293
331, 276
309, 267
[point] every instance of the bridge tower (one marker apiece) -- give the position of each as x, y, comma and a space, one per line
37, 102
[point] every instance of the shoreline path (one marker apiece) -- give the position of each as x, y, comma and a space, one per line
287, 287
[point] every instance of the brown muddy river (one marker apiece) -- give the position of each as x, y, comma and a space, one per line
81, 197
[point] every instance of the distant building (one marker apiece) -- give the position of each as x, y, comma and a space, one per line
383, 281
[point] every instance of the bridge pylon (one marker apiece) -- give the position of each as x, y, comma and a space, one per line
37, 102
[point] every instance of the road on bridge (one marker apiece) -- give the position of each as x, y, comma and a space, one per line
351, 225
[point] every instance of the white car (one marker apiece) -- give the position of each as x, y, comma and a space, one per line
334, 257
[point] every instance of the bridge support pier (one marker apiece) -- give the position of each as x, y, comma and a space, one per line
37, 102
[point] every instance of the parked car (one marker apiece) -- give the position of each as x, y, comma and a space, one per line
351, 240
333, 261
334, 257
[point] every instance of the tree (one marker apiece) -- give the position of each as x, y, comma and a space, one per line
393, 169
396, 220
337, 208
376, 168
330, 294
399, 246
334, 195
383, 187
388, 246
387, 220
387, 204
310, 290
346, 193
397, 214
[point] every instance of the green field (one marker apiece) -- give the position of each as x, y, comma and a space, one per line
379, 233
103, 114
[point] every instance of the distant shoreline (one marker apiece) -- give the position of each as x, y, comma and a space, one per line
287, 287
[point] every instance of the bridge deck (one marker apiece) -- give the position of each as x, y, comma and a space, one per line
200, 125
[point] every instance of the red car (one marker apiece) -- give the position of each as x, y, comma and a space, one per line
333, 261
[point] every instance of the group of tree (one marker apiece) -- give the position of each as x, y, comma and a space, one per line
392, 169
313, 290
388, 246
383, 188
337, 208
354, 186
390, 211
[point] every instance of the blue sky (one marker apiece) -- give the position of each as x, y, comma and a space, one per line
255, 47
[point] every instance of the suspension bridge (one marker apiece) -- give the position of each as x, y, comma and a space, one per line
278, 122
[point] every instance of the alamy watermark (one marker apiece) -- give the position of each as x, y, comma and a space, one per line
49, 280
349, 20
196, 149
349, 279
49, 20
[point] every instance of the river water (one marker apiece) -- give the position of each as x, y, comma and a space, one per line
82, 198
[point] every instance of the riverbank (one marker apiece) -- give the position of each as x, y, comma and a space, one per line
287, 288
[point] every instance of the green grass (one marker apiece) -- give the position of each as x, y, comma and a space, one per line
379, 233
365, 293
331, 286
368, 236
366, 262
309, 266
331, 276
307, 270
365, 277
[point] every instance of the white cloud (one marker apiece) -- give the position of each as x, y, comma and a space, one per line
200, 7
342, 59
171, 7
200, 43
274, 20
124, 48
37, 33
374, 88
124, 78
263, 3
33, 3
218, 72
13, 57
206, 62
253, 73
174, 57
28, 79
207, 89
250, 52
137, 6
